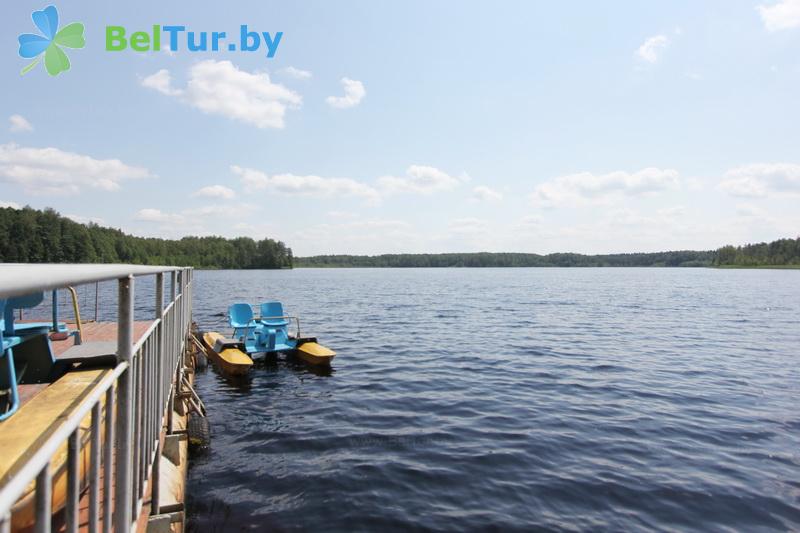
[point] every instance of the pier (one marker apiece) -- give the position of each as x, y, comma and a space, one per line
103, 446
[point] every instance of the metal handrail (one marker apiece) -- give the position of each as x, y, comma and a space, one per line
146, 335
15, 487
76, 309
139, 392
18, 279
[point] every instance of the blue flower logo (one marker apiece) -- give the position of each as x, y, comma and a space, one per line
50, 42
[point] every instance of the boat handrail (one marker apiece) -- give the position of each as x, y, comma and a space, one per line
291, 317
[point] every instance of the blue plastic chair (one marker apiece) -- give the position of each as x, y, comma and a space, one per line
273, 309
30, 328
240, 318
8, 375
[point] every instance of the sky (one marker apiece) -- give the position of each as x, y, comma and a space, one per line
417, 126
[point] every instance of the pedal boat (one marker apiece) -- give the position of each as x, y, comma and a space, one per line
268, 334
227, 353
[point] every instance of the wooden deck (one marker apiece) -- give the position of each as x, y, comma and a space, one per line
101, 331
92, 332
45, 407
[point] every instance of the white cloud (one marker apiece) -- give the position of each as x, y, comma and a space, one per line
218, 211
531, 220
468, 226
297, 73
156, 215
12, 205
528, 222
783, 15
744, 187
161, 81
244, 226
215, 191
354, 92
19, 123
341, 214
586, 188
220, 88
193, 215
486, 194
750, 211
419, 179
672, 212
53, 171
762, 179
356, 237
86, 220
291, 184
652, 47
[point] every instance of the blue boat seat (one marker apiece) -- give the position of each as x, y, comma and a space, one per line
270, 311
269, 340
240, 318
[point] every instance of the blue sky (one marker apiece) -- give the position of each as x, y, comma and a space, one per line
420, 126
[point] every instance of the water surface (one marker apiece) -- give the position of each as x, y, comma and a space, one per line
465, 399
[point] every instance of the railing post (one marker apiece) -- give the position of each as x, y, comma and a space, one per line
94, 469
44, 501
178, 304
155, 505
122, 485
73, 481
55, 310
108, 459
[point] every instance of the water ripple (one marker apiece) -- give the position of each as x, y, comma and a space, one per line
510, 399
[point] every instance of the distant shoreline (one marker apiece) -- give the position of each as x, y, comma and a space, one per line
713, 267
43, 236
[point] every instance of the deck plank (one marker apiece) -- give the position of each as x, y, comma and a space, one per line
44, 411
26, 431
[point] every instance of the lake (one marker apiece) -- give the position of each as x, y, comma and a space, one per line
509, 399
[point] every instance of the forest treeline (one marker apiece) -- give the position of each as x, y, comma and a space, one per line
487, 259
32, 236
780, 253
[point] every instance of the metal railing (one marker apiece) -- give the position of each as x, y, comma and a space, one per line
129, 408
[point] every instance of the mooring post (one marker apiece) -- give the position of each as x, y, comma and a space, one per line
122, 485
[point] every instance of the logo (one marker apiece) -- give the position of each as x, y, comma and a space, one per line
51, 41
173, 37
